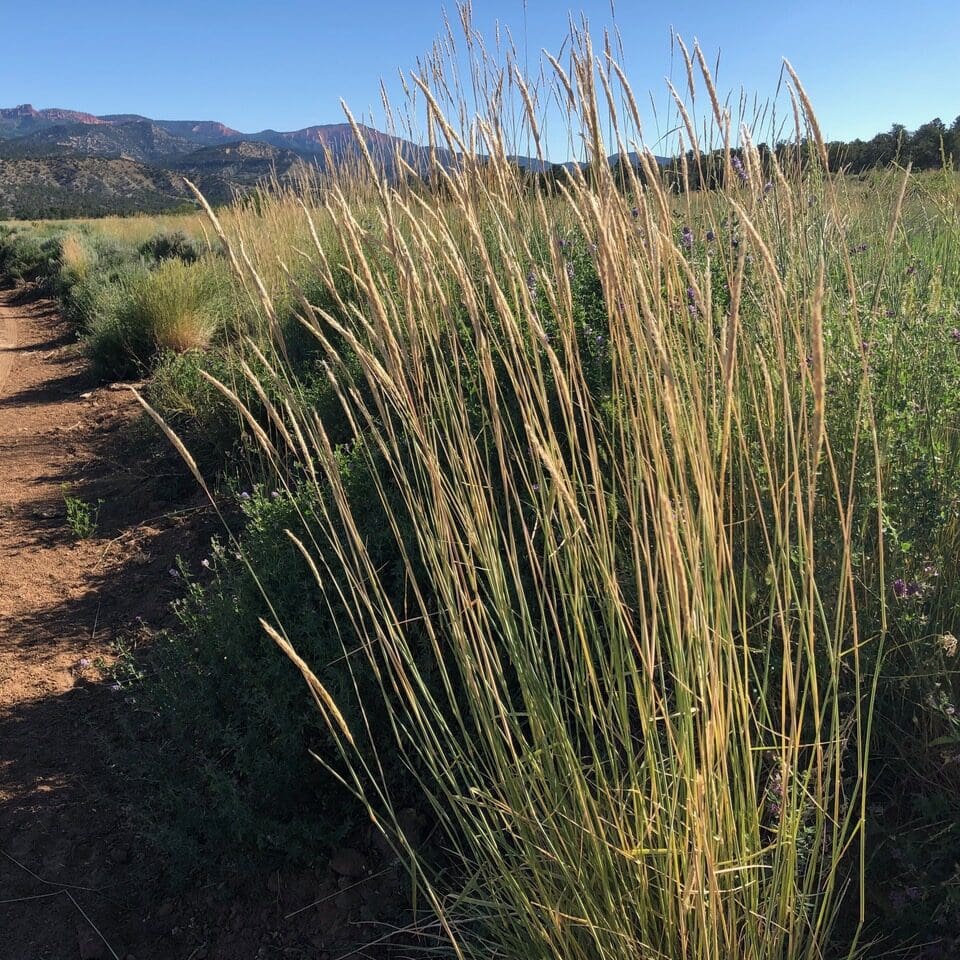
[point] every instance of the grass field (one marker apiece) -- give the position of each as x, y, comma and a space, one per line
613, 529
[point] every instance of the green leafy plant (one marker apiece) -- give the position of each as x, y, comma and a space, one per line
82, 517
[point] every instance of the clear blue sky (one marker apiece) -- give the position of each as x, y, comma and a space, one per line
286, 64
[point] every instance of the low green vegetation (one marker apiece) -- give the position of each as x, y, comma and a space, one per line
613, 528
82, 517
131, 304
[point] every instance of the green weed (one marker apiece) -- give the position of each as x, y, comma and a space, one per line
82, 517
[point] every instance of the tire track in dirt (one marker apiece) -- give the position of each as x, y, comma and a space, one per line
8, 342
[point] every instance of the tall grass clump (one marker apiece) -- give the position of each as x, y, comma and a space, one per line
77, 258
614, 589
174, 308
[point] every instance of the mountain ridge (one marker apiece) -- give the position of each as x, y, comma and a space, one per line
17, 123
44, 154
305, 140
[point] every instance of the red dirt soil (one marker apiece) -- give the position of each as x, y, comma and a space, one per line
75, 880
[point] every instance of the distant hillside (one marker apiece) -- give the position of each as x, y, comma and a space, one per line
59, 163
22, 120
203, 132
334, 139
56, 163
244, 163
58, 187
27, 132
140, 140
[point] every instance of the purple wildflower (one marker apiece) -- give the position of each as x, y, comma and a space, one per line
900, 588
635, 212
174, 572
955, 334
767, 187
532, 282
84, 662
686, 237
711, 236
244, 495
738, 168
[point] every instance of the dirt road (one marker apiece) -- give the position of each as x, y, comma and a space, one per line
76, 881
66, 863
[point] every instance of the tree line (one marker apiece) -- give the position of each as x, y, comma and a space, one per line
931, 146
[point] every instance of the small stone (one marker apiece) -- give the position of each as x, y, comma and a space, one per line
349, 863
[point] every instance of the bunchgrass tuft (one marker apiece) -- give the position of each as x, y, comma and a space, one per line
77, 258
173, 307
624, 454
139, 314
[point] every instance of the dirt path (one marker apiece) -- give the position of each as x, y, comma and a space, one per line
63, 602
47, 578
75, 880
8, 342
